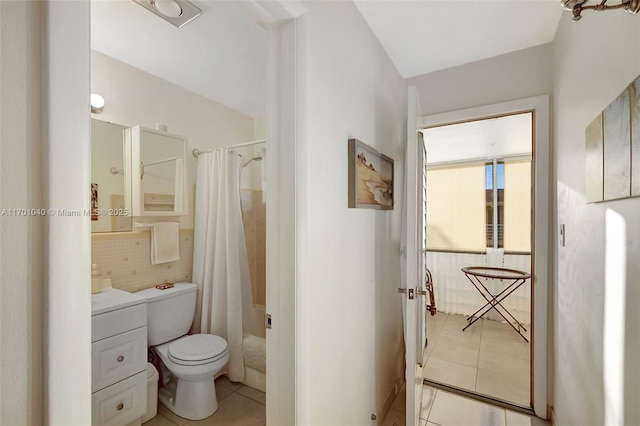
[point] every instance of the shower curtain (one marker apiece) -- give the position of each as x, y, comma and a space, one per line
220, 265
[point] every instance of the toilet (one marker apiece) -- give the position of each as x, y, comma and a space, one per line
189, 362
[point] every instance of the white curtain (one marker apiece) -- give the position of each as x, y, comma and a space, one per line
220, 265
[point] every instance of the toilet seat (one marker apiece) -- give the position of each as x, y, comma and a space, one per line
197, 349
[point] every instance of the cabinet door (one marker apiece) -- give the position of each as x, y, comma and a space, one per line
118, 357
121, 403
109, 321
154, 171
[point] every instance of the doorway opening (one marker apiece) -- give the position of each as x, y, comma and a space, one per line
154, 75
480, 177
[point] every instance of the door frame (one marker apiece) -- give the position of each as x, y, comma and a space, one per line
541, 250
66, 116
413, 297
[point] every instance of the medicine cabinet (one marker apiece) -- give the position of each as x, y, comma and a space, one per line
107, 178
154, 172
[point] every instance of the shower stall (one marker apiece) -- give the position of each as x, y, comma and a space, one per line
253, 205
230, 255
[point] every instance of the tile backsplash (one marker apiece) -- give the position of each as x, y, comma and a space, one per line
254, 221
125, 258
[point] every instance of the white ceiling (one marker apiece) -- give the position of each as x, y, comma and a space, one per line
429, 35
506, 136
221, 54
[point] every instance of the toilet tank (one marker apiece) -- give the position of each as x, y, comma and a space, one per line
169, 312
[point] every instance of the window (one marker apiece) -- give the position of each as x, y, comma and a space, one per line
464, 215
494, 217
456, 207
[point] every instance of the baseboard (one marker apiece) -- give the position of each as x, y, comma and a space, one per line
552, 415
386, 407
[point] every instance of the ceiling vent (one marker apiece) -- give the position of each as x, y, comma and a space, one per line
176, 12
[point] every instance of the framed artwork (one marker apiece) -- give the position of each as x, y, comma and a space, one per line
634, 95
617, 148
370, 177
94, 201
594, 156
612, 149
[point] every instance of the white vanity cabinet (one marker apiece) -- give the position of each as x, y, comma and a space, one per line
118, 358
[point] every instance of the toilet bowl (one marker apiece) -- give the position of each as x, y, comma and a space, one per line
189, 362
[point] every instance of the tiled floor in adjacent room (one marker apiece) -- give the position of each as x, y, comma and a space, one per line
489, 358
238, 405
442, 408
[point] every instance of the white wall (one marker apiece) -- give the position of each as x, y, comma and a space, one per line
133, 96
44, 260
21, 279
349, 329
516, 75
67, 249
594, 60
285, 69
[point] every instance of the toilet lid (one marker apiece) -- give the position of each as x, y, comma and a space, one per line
197, 349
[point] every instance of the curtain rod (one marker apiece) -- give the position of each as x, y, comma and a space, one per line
160, 161
197, 152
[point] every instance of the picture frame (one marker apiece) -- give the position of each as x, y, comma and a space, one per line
612, 149
371, 183
94, 201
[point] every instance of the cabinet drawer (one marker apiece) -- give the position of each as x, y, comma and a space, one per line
118, 357
121, 403
118, 321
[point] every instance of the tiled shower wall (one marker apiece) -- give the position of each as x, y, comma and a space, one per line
253, 217
125, 258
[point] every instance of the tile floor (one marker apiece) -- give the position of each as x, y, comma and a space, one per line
489, 358
238, 405
442, 408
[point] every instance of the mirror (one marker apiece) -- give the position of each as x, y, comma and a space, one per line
107, 178
154, 172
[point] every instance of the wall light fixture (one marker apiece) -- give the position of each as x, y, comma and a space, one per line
97, 103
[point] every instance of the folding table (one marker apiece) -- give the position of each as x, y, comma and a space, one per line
512, 278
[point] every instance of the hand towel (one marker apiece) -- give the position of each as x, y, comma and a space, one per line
164, 242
